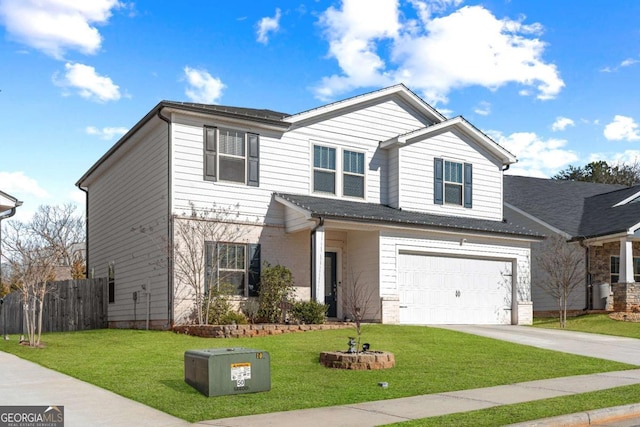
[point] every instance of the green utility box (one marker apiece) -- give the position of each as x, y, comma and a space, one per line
222, 371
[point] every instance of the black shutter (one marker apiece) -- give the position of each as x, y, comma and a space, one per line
210, 151
253, 157
438, 187
254, 270
211, 265
468, 185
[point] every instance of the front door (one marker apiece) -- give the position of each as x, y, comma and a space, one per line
331, 283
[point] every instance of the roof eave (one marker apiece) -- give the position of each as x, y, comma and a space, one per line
401, 90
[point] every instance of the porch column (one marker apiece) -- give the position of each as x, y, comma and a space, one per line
317, 263
626, 261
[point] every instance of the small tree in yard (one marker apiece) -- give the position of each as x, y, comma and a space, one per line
32, 261
563, 267
359, 304
276, 292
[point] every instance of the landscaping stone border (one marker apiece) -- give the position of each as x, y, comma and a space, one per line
362, 361
255, 330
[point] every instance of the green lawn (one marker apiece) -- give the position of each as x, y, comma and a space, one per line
147, 366
501, 415
594, 323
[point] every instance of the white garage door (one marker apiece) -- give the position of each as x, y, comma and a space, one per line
448, 290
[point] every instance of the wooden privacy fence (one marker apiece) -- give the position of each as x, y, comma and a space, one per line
70, 305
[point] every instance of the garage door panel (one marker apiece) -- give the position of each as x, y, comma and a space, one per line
448, 290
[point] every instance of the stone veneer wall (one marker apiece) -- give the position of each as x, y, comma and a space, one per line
246, 331
626, 296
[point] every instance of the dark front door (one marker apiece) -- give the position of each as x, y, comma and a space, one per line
331, 283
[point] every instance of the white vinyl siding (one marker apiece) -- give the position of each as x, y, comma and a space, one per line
416, 172
286, 160
127, 213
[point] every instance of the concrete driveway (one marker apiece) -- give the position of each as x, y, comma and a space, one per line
619, 349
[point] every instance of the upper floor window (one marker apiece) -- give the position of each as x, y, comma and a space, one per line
234, 264
231, 155
615, 269
453, 183
353, 177
324, 169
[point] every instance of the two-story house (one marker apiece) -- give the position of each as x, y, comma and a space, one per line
378, 191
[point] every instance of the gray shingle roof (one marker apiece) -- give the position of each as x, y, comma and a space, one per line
375, 213
601, 218
558, 203
238, 111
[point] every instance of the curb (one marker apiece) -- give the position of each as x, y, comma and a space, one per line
585, 418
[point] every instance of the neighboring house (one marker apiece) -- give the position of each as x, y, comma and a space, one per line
8, 205
599, 220
379, 191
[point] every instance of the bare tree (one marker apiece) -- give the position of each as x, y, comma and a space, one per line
563, 266
360, 304
32, 262
64, 232
188, 256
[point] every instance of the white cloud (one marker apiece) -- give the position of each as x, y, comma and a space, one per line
622, 128
19, 185
203, 88
88, 83
55, 26
106, 133
562, 123
268, 25
629, 157
483, 108
436, 55
536, 157
625, 63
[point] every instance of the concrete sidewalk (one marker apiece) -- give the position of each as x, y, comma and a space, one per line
26, 383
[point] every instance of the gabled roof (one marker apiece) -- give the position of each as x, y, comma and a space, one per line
461, 124
556, 203
346, 210
398, 90
604, 215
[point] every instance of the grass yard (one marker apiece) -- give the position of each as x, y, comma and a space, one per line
147, 366
594, 323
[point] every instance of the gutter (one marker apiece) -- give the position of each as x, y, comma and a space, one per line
170, 281
86, 230
587, 277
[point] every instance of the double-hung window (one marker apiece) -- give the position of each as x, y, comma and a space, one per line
231, 155
453, 183
353, 176
615, 269
234, 264
324, 169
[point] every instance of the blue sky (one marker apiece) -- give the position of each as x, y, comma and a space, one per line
555, 82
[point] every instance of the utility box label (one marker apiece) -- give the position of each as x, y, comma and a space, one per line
240, 372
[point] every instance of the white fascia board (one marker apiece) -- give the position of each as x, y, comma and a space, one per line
628, 199
401, 90
302, 211
461, 124
8, 202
